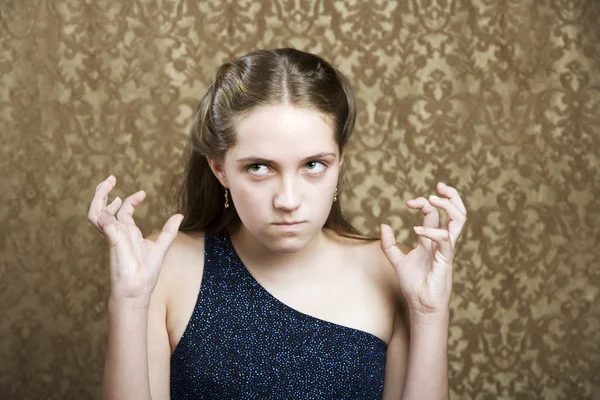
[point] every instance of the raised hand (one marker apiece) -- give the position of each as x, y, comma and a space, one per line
425, 273
135, 262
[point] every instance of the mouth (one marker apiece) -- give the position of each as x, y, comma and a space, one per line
289, 226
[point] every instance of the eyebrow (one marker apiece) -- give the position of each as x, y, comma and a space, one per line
259, 160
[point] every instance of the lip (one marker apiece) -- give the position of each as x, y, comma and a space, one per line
289, 226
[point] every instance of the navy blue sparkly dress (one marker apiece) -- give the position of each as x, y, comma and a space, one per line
243, 343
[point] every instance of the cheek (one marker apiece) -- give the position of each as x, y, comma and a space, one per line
317, 200
249, 200
321, 200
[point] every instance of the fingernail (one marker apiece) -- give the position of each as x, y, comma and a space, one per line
443, 184
434, 197
419, 229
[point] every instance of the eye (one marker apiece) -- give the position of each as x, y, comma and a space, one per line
258, 169
315, 167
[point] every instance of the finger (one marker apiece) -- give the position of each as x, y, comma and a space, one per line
453, 195
431, 213
107, 215
100, 198
450, 208
442, 238
125, 213
432, 218
169, 233
388, 245
456, 218
455, 221
106, 221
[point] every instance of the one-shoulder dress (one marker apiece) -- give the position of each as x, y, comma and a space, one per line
243, 343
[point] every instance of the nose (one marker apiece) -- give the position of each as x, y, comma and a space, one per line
288, 197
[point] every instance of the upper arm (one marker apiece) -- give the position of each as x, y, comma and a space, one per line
397, 358
159, 348
397, 352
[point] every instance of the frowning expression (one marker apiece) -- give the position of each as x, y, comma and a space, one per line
282, 173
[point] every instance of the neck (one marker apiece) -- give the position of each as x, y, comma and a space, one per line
263, 261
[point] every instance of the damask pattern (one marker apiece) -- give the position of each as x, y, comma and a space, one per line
499, 98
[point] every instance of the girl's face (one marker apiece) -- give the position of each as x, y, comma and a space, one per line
282, 174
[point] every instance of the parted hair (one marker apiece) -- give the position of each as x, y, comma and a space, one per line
265, 77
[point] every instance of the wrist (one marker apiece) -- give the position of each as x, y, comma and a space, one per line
440, 319
120, 303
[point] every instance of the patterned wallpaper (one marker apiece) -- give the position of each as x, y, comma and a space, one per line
498, 98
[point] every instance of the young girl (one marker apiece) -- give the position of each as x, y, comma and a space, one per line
260, 288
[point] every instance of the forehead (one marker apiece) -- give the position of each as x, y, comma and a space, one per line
283, 133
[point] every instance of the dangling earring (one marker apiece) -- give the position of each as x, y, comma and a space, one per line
226, 199
335, 195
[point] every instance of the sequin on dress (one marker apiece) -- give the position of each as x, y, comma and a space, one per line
243, 343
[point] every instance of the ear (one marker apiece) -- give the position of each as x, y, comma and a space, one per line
217, 168
341, 159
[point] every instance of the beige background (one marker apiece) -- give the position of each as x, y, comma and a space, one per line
499, 98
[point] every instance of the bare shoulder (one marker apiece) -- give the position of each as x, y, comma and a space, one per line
368, 254
184, 241
183, 263
187, 251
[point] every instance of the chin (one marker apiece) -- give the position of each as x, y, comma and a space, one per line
286, 243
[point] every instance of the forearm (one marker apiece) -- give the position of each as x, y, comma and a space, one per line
427, 373
126, 367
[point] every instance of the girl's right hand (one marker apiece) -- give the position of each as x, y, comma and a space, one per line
135, 262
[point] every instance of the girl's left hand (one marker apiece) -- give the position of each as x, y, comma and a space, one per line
425, 273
